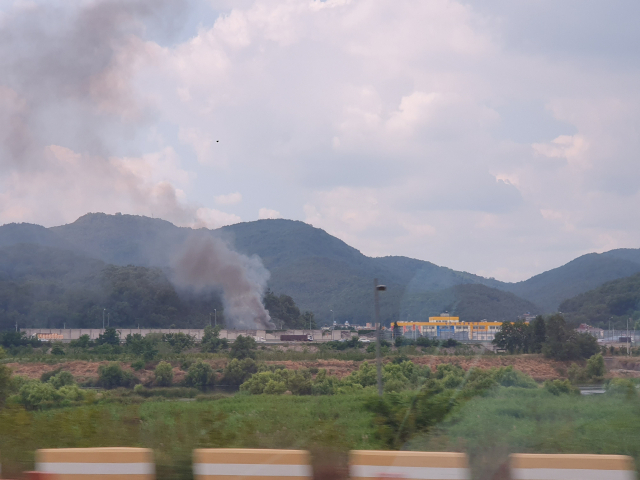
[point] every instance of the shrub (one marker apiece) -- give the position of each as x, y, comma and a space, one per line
164, 374
138, 365
71, 393
595, 367
37, 395
47, 375
508, 377
622, 386
238, 371
83, 342
62, 379
140, 390
243, 347
200, 375
112, 376
559, 387
57, 349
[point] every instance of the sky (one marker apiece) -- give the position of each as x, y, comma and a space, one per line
490, 136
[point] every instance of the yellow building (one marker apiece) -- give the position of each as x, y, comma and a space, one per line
451, 327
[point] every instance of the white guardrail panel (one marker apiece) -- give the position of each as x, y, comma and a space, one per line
251, 464
107, 463
571, 467
373, 464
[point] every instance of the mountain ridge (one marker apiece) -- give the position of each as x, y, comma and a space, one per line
321, 272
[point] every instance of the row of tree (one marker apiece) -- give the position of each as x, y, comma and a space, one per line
551, 336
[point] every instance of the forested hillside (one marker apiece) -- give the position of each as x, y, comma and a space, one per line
551, 288
49, 287
617, 301
324, 274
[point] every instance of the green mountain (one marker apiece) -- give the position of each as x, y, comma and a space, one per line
551, 288
49, 287
615, 301
328, 277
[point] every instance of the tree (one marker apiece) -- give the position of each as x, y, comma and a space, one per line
539, 334
284, 310
84, 341
238, 371
179, 341
57, 349
109, 337
5, 383
164, 374
211, 341
200, 375
595, 367
112, 376
308, 320
564, 343
135, 343
243, 347
514, 336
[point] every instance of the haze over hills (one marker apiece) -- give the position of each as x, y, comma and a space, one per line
322, 273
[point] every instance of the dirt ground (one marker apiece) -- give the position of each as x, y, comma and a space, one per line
536, 366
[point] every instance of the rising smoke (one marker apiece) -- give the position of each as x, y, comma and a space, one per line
208, 263
70, 111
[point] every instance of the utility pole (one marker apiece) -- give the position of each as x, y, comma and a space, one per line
103, 312
215, 317
378, 288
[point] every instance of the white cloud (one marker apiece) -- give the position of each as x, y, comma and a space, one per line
265, 213
402, 127
228, 199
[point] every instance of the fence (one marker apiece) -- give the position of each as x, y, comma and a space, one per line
264, 464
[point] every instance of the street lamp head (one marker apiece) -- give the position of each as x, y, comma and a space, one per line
381, 288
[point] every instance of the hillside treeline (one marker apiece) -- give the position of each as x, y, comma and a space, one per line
50, 288
614, 302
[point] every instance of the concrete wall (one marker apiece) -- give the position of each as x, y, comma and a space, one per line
68, 334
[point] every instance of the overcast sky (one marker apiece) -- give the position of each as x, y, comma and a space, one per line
491, 136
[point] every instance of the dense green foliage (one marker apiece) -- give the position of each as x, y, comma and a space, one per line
552, 336
614, 301
47, 287
163, 374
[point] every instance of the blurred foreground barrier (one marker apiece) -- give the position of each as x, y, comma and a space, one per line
229, 463
366, 464
116, 463
571, 467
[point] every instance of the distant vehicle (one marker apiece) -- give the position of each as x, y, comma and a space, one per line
365, 340
296, 338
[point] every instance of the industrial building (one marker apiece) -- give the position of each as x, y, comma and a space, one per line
445, 327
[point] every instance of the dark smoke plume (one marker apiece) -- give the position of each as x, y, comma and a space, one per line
209, 263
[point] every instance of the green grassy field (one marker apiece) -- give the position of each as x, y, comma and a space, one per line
488, 428
174, 428
513, 420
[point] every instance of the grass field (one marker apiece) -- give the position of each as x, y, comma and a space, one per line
512, 420
174, 428
488, 428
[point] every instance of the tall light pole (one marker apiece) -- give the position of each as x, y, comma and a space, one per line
378, 288
103, 312
215, 317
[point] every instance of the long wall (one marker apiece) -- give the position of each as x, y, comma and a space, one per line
68, 334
